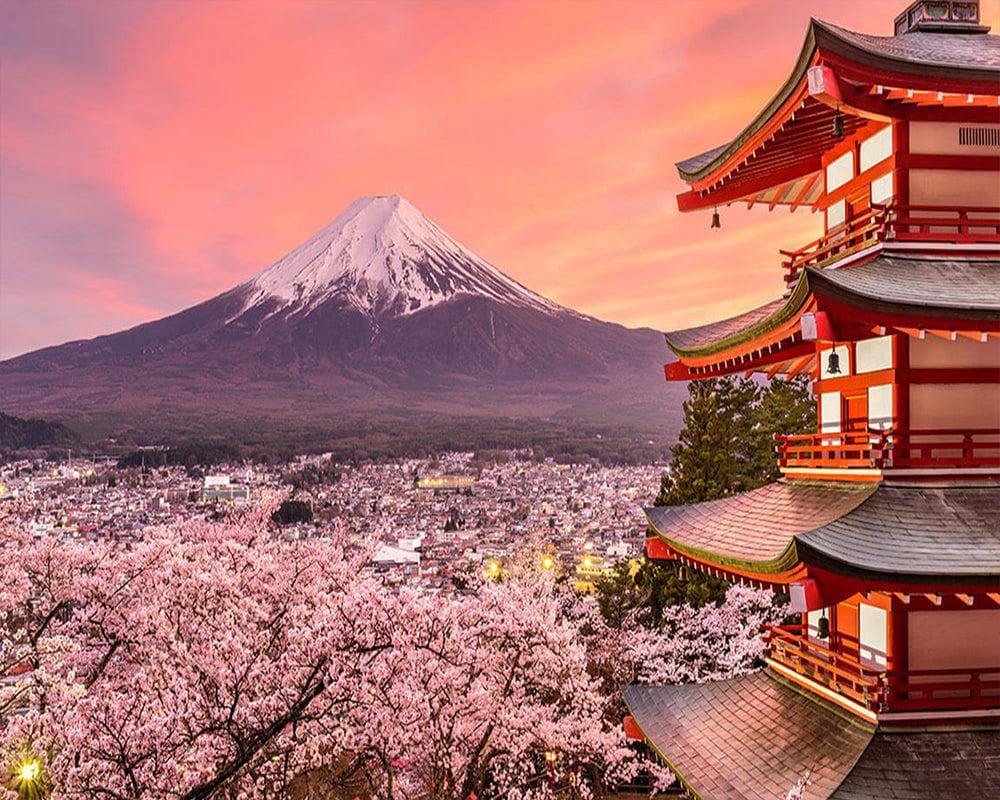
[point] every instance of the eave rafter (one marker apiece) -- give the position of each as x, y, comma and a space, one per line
839, 87
794, 128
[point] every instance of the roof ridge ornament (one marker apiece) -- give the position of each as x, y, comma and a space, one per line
940, 16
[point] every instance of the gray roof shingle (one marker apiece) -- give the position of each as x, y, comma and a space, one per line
914, 530
943, 765
752, 738
943, 285
755, 529
748, 738
702, 335
908, 531
959, 51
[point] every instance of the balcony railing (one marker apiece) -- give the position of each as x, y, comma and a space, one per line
915, 223
943, 689
878, 689
861, 450
842, 673
941, 448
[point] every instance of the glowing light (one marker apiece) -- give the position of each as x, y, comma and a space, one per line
550, 756
493, 569
548, 562
29, 771
588, 562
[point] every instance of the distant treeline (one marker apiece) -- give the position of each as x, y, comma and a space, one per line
203, 454
17, 433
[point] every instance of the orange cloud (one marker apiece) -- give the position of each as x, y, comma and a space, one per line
172, 149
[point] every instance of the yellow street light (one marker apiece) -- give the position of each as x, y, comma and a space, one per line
548, 562
29, 781
29, 771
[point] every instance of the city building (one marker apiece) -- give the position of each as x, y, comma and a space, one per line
221, 487
885, 528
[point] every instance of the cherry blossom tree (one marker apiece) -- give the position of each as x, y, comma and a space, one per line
479, 689
224, 659
207, 657
714, 642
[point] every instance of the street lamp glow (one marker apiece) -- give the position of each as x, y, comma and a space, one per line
548, 562
29, 771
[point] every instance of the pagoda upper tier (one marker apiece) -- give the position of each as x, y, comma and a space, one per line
948, 72
894, 309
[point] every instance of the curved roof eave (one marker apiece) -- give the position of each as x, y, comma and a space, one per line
785, 313
954, 289
697, 167
830, 37
781, 563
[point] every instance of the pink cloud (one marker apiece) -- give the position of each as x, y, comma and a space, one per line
217, 136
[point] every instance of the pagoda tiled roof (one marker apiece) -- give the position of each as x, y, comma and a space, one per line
753, 737
748, 738
932, 531
755, 530
972, 56
900, 283
938, 286
715, 337
958, 51
705, 335
945, 765
906, 532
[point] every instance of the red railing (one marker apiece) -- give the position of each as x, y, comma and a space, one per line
914, 223
857, 234
878, 689
943, 689
969, 225
941, 448
840, 672
858, 450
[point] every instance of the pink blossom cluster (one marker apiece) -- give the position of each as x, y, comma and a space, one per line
221, 660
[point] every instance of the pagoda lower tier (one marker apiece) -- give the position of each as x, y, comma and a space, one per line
898, 587
754, 737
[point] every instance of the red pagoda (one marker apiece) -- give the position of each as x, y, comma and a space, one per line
885, 527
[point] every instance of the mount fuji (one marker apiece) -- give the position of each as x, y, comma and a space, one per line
380, 311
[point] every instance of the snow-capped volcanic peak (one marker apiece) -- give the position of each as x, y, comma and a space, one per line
384, 257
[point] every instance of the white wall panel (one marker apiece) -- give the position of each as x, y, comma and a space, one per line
875, 149
873, 354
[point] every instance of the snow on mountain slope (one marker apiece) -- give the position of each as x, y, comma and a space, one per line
383, 257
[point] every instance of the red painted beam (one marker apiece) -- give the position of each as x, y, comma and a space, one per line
657, 549
827, 89
632, 730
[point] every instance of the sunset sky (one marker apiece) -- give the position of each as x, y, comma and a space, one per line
153, 154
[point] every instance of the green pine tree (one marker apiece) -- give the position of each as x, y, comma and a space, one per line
727, 443
708, 461
725, 447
